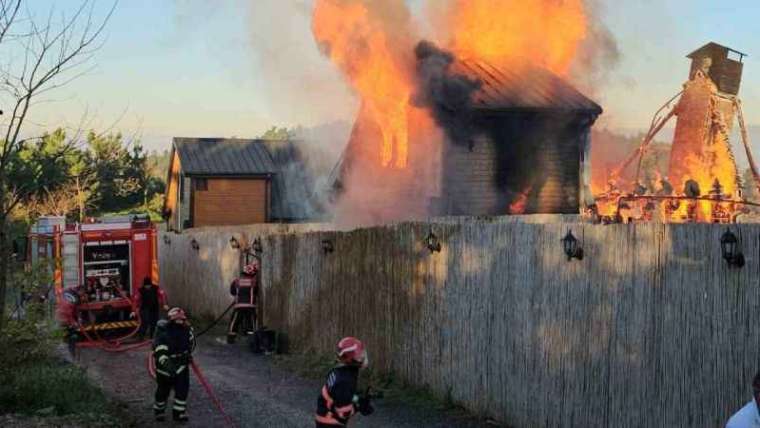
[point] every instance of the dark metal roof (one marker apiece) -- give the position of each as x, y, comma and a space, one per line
222, 156
526, 88
714, 46
292, 183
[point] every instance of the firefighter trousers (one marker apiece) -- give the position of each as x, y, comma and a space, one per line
242, 318
180, 383
148, 321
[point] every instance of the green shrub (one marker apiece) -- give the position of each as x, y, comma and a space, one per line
51, 387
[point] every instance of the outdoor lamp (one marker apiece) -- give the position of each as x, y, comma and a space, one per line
729, 247
234, 243
256, 246
432, 242
571, 248
327, 246
195, 245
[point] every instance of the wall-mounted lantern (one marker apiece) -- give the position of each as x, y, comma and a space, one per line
257, 247
432, 242
195, 245
571, 247
167, 240
234, 243
729, 247
327, 246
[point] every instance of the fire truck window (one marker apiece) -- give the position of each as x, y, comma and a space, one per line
109, 262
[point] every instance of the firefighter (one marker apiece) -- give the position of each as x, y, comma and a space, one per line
149, 299
172, 355
338, 400
244, 290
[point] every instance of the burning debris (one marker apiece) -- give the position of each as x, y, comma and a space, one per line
702, 182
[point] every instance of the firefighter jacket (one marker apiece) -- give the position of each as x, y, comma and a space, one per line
244, 289
338, 400
173, 348
151, 298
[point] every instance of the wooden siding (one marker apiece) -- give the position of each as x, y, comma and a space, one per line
537, 154
469, 179
650, 329
231, 201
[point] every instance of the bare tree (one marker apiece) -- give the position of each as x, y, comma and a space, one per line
48, 54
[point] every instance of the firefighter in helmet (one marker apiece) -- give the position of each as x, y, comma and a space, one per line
244, 290
338, 400
172, 355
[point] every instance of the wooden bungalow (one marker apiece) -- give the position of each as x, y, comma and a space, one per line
218, 181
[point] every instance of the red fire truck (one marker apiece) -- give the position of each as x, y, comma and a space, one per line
103, 262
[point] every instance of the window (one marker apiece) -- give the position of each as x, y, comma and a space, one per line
200, 184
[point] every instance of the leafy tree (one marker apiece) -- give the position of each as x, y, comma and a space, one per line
54, 51
279, 134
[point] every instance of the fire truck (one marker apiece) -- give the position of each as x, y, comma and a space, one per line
102, 262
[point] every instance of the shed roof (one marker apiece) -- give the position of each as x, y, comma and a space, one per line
292, 183
224, 156
525, 88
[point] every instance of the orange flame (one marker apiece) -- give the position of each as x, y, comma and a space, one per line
507, 33
358, 43
518, 205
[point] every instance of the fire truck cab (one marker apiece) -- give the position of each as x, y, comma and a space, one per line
104, 262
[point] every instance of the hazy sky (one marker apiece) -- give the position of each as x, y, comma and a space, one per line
234, 68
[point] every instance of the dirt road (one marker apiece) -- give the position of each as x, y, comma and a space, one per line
255, 392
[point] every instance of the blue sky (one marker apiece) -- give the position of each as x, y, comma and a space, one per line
234, 67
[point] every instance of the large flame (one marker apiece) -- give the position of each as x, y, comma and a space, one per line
508, 33
702, 170
357, 41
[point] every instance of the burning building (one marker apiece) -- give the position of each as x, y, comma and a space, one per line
481, 121
520, 146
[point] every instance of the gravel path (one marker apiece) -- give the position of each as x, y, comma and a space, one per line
254, 392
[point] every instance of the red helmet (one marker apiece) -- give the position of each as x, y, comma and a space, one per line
177, 314
351, 350
250, 269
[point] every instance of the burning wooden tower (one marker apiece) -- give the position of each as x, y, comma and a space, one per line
702, 183
705, 116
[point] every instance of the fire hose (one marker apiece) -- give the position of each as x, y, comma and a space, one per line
115, 345
216, 321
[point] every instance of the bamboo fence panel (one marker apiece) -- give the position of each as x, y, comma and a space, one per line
651, 328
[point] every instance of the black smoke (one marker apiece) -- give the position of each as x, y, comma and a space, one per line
448, 95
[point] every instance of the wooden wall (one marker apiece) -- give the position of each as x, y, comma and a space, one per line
651, 328
231, 201
538, 154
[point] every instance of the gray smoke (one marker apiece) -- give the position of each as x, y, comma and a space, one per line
446, 94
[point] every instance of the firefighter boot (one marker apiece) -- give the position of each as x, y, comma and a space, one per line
179, 416
159, 410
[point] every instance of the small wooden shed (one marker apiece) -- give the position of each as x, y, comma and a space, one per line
221, 181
